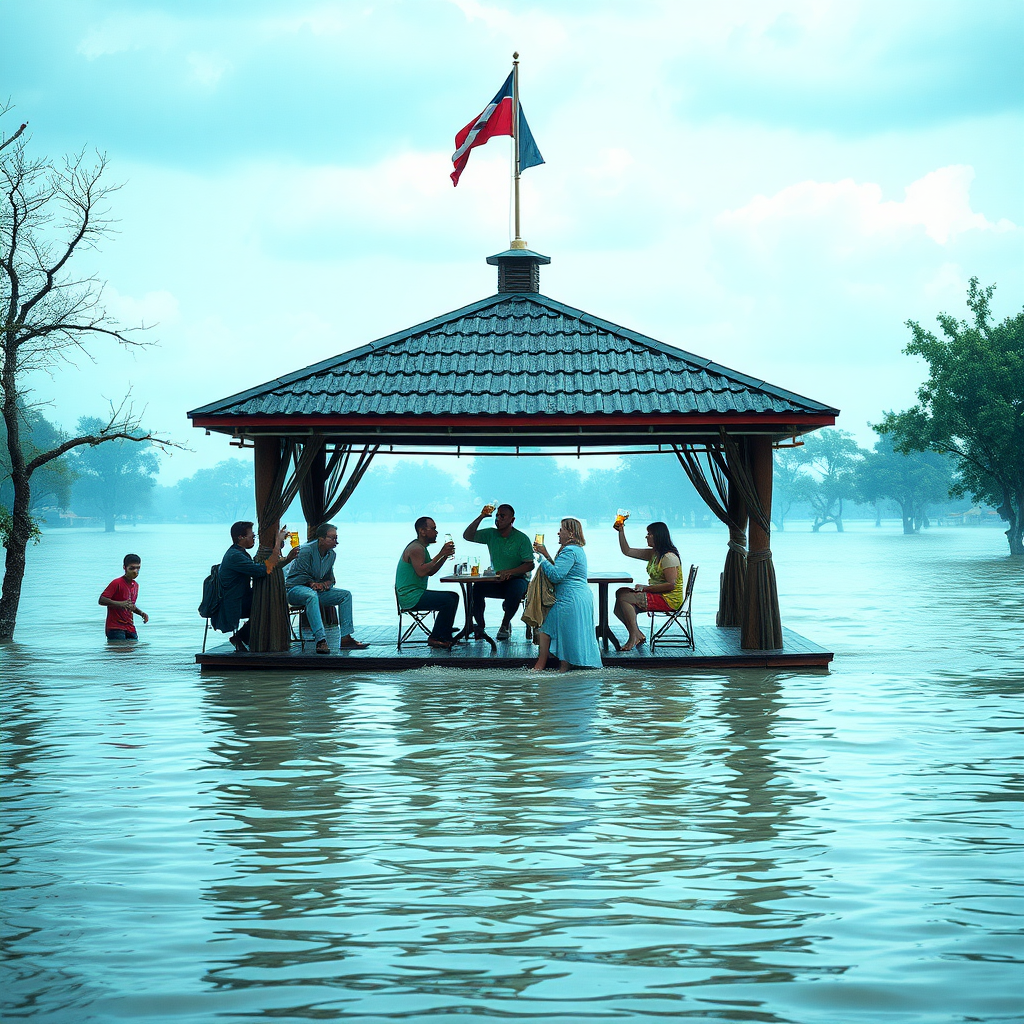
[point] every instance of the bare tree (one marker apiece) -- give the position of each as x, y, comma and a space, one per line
48, 316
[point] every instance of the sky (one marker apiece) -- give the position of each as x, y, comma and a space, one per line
777, 186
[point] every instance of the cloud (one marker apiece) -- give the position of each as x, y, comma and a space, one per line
939, 204
152, 309
207, 68
129, 32
854, 69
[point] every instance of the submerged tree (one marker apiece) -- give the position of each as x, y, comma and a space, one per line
48, 316
114, 480
789, 485
913, 481
972, 406
51, 485
222, 494
831, 455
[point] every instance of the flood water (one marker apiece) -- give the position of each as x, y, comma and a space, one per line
617, 844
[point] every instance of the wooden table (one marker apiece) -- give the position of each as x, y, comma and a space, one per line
602, 579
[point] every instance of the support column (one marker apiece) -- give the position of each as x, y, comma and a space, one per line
269, 629
314, 493
266, 463
761, 628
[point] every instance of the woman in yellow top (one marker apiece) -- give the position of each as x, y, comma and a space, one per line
664, 589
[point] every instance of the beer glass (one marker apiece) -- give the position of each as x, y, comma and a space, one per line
621, 516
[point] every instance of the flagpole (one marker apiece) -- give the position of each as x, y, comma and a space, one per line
517, 242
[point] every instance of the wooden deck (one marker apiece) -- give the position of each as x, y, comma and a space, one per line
715, 649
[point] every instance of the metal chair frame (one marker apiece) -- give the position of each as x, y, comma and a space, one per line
295, 624
680, 617
419, 621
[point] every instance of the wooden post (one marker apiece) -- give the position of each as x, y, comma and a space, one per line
269, 629
761, 629
267, 459
316, 488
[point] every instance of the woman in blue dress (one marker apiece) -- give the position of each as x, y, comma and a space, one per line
568, 629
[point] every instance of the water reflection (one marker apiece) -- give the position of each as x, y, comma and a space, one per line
278, 803
473, 838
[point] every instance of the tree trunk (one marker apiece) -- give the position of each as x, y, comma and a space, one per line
108, 523
14, 564
21, 521
1015, 521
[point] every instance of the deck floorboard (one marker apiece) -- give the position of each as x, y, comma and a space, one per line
715, 648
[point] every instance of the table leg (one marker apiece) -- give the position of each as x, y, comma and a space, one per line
469, 629
604, 633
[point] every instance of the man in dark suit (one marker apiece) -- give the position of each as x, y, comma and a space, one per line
237, 571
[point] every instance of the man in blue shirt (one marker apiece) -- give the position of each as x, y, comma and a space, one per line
310, 582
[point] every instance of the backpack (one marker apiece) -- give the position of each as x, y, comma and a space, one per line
211, 593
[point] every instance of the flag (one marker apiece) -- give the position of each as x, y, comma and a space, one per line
496, 119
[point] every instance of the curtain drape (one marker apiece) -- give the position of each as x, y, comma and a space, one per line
726, 501
737, 487
325, 490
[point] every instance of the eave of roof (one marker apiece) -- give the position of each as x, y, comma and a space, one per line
227, 414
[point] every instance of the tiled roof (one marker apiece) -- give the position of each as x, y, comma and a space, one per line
514, 354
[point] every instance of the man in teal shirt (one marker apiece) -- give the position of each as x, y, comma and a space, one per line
512, 560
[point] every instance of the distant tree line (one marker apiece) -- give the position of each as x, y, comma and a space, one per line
828, 473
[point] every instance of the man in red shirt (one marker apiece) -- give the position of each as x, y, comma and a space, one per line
119, 600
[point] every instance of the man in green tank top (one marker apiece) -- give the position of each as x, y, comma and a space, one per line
512, 560
414, 567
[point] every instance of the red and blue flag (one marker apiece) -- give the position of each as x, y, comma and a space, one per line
495, 119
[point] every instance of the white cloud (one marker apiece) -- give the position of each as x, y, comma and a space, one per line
129, 32
207, 68
939, 204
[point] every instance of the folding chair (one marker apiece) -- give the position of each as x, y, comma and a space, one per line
295, 624
420, 621
680, 617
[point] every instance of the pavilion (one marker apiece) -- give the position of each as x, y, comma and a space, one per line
521, 369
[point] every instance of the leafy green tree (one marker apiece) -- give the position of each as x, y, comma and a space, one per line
831, 455
913, 481
114, 479
789, 484
972, 406
223, 494
51, 486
